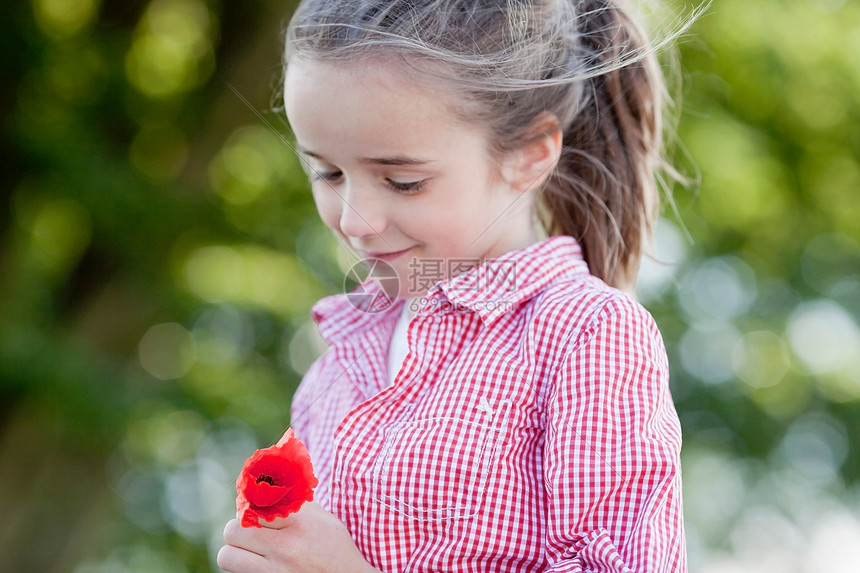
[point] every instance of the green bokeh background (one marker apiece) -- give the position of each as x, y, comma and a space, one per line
160, 252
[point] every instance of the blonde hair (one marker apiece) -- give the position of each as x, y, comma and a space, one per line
587, 62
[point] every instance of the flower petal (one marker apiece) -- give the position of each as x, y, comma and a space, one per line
275, 481
263, 494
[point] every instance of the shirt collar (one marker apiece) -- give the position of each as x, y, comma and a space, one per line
499, 285
489, 289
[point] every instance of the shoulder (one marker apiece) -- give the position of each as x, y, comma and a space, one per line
570, 312
603, 351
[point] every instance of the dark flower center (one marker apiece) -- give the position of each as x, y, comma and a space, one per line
268, 479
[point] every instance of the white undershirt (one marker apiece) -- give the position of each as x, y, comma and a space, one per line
398, 348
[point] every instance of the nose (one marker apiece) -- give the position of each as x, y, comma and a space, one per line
361, 215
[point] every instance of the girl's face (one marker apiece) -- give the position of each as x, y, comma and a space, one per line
397, 176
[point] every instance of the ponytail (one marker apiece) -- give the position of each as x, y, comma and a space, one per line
604, 190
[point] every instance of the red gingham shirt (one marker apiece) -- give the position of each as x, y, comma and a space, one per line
530, 427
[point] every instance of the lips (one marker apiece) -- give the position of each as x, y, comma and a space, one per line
389, 256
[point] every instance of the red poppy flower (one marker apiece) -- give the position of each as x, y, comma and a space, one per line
275, 482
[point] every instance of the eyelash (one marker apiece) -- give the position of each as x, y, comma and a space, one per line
326, 176
409, 188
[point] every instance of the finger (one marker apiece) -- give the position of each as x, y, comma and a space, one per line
237, 560
307, 509
244, 537
277, 523
313, 507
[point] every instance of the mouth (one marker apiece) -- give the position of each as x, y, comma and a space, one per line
387, 257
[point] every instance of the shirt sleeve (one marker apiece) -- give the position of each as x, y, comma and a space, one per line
612, 467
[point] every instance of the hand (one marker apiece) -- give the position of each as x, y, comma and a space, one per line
309, 541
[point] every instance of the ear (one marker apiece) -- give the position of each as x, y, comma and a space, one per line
527, 167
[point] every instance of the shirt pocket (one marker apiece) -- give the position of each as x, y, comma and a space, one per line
434, 469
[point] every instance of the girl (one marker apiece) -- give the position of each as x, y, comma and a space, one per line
509, 409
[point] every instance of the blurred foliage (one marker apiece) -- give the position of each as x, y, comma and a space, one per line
160, 252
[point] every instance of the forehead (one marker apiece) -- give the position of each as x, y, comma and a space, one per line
375, 101
388, 74
369, 86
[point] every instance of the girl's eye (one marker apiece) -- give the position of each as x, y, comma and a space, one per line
407, 187
327, 175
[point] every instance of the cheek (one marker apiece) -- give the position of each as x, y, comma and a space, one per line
329, 206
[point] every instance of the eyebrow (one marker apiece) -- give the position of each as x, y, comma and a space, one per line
396, 160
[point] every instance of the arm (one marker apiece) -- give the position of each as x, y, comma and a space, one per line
612, 469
